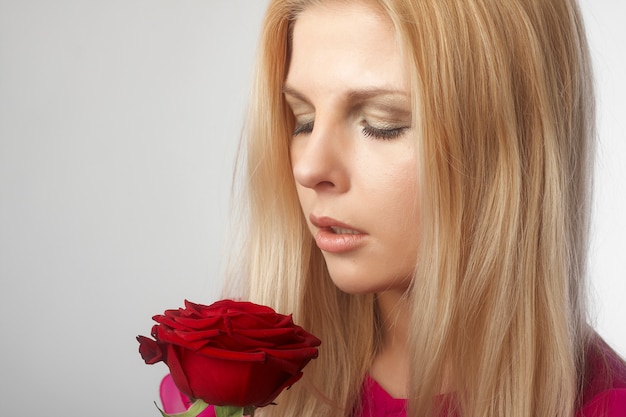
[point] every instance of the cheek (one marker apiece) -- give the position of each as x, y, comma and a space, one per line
395, 190
292, 160
400, 207
306, 199
407, 192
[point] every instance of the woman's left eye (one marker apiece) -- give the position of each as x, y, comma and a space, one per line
303, 128
385, 134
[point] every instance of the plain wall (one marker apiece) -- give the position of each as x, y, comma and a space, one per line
119, 122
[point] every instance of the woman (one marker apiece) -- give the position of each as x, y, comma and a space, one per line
418, 177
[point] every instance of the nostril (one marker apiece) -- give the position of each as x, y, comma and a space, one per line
325, 185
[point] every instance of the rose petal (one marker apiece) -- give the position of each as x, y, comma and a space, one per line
256, 356
280, 389
150, 350
178, 372
191, 336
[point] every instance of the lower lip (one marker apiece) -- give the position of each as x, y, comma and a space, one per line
328, 241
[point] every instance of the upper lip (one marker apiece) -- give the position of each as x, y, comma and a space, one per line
324, 222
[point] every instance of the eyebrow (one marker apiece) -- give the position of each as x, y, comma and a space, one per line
352, 95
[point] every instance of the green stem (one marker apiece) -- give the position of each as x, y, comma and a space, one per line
228, 411
196, 408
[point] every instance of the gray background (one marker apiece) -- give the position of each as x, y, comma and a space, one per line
119, 122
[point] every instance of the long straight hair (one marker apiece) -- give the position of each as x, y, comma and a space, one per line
503, 107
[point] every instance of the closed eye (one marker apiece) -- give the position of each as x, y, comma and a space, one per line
384, 134
304, 128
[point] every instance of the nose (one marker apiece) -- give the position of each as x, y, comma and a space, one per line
320, 160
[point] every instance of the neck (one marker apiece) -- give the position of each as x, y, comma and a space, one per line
390, 367
393, 308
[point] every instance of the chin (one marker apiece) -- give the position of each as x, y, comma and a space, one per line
353, 288
356, 284
358, 281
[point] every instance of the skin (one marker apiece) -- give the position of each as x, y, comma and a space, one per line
353, 155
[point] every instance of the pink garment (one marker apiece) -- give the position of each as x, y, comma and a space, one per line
604, 391
175, 401
378, 403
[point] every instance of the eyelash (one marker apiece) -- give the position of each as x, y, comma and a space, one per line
383, 134
303, 128
368, 131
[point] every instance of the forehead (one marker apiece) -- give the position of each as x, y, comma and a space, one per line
345, 43
339, 18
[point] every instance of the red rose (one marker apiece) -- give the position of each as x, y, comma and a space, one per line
229, 353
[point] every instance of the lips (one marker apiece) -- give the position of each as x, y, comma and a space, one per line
336, 237
343, 231
336, 226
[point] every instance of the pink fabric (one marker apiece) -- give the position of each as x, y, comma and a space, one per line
604, 391
378, 403
175, 401
611, 403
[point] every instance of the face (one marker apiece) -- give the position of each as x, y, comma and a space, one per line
353, 148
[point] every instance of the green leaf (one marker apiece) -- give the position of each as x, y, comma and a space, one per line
196, 408
228, 411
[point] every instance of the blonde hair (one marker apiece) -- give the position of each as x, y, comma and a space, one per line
503, 107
